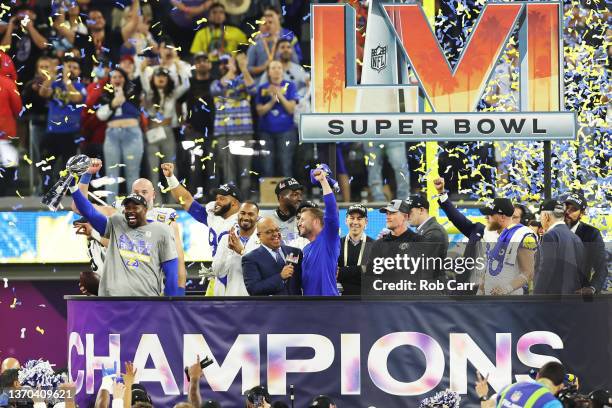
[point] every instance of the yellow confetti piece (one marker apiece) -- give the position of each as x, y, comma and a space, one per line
18, 194
27, 159
161, 156
12, 306
201, 140
63, 173
202, 20
181, 200
40, 330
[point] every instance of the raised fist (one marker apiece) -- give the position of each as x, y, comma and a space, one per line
168, 169
319, 175
439, 184
94, 166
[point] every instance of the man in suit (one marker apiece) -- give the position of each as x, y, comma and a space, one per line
272, 269
560, 264
354, 250
434, 235
594, 247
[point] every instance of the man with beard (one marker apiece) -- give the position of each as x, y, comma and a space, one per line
273, 268
289, 193
320, 264
219, 215
508, 248
141, 259
227, 265
143, 187
594, 247
217, 38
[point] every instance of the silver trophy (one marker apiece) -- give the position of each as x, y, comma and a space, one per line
75, 166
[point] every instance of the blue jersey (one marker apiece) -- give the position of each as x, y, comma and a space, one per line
527, 395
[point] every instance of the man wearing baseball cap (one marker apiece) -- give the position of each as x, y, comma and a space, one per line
390, 244
354, 250
289, 193
141, 259
509, 248
595, 267
561, 254
219, 215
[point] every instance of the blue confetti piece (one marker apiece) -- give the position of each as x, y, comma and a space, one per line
284, 11
79, 140
306, 17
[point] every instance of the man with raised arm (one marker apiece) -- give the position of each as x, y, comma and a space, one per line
141, 259
320, 262
219, 215
143, 187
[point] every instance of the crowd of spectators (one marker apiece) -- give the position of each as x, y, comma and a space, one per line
218, 91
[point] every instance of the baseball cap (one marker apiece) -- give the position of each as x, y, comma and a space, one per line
322, 401
395, 206
288, 183
417, 201
257, 391
552, 205
307, 204
161, 71
134, 198
358, 208
577, 199
228, 190
498, 206
200, 55
139, 394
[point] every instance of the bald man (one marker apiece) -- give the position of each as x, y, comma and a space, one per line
273, 268
8, 364
145, 188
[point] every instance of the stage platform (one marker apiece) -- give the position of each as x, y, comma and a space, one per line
374, 352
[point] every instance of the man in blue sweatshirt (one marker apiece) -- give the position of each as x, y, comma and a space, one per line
320, 261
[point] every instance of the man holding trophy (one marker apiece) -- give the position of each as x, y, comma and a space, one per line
141, 259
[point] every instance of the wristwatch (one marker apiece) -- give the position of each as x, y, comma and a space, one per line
484, 398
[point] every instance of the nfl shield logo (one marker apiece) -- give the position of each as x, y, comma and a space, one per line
379, 58
516, 396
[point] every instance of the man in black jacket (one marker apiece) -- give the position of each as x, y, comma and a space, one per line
560, 257
391, 257
354, 250
594, 247
434, 235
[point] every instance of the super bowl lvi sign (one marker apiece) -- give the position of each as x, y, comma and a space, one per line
385, 105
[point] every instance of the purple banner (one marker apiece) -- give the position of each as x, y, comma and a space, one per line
390, 353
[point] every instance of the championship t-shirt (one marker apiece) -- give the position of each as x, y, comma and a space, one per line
134, 256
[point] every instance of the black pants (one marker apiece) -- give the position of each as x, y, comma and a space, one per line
60, 145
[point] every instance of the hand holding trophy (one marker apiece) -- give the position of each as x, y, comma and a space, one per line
75, 166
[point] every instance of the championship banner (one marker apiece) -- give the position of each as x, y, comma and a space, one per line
369, 353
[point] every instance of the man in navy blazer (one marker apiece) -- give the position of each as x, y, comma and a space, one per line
272, 269
561, 255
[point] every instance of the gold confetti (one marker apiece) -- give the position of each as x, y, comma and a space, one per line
40, 330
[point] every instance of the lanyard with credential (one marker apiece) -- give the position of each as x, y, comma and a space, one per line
361, 250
